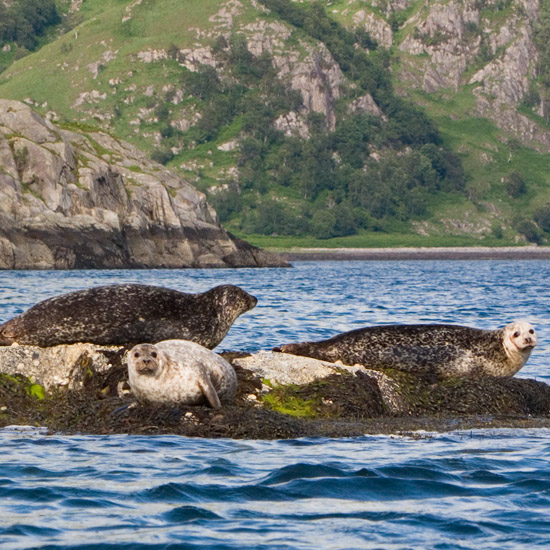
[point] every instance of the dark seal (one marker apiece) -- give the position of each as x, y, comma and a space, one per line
443, 350
129, 314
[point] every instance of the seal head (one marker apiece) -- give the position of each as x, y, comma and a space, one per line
147, 360
518, 340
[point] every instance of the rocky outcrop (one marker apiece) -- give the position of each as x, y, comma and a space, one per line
306, 67
487, 45
83, 388
65, 366
441, 34
446, 41
375, 25
70, 199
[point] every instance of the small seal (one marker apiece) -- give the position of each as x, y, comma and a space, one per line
179, 371
129, 314
443, 350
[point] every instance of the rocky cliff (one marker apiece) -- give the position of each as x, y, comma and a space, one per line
70, 199
488, 46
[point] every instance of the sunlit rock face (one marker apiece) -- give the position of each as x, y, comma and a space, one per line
86, 200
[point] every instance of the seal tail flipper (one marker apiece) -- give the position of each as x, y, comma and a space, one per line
293, 349
210, 392
316, 350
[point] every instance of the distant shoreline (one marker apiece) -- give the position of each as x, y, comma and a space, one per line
436, 253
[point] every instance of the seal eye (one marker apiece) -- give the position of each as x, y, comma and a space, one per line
531, 331
154, 354
136, 354
516, 334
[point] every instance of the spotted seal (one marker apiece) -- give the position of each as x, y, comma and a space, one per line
444, 350
179, 371
129, 314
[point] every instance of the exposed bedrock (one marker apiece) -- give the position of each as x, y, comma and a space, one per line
71, 199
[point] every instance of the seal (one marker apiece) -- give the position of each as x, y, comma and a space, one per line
443, 350
129, 314
180, 372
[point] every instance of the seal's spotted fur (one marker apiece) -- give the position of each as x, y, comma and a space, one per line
436, 349
129, 314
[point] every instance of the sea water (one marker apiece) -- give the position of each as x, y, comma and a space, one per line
471, 489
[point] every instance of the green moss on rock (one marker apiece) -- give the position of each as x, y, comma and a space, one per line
337, 406
337, 396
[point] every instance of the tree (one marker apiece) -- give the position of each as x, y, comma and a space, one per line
529, 230
23, 21
322, 224
203, 83
351, 140
542, 217
515, 185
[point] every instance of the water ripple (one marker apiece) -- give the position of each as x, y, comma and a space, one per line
485, 489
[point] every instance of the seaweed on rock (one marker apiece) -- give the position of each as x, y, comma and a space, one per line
340, 404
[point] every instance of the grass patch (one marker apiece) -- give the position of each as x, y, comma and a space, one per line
374, 240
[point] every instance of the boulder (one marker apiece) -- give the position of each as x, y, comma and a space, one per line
70, 199
64, 366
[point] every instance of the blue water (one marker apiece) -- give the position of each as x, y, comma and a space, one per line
472, 490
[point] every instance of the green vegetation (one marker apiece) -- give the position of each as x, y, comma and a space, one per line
358, 179
281, 400
503, 173
23, 21
538, 97
36, 390
329, 185
22, 385
375, 240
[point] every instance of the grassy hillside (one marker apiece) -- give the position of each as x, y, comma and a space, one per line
179, 80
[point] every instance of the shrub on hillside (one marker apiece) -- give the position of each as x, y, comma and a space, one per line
162, 156
542, 217
529, 230
23, 21
515, 185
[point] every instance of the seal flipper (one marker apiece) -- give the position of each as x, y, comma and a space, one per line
6, 341
209, 392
